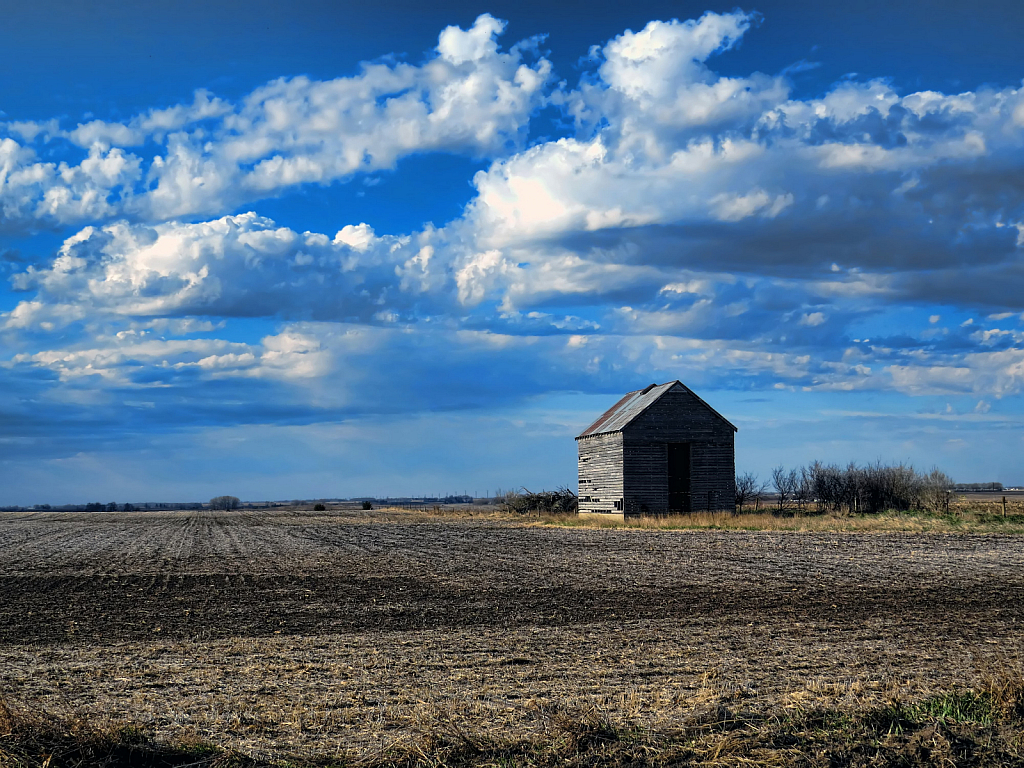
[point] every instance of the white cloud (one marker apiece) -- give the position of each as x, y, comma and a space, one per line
42, 315
242, 265
459, 46
94, 188
658, 79
470, 98
358, 237
733, 207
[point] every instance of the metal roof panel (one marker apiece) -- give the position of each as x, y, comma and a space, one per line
627, 409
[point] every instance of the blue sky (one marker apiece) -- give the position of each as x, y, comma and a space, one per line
325, 249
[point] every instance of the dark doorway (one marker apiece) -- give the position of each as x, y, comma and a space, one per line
679, 477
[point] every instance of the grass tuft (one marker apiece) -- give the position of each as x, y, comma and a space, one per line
955, 707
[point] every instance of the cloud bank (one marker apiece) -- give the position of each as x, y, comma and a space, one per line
686, 225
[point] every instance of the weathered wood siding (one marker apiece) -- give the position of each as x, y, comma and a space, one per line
600, 473
645, 478
678, 417
714, 476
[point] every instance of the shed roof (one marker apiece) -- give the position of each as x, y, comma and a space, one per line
633, 404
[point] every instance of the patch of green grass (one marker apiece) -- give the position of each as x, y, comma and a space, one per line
955, 707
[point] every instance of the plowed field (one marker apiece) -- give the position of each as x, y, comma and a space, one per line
296, 631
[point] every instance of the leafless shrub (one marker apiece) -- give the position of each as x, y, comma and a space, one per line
936, 491
785, 484
892, 486
804, 492
872, 488
748, 488
829, 486
225, 502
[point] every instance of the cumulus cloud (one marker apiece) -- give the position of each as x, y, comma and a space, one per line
236, 266
468, 98
675, 166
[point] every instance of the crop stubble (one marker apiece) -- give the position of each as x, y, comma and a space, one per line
293, 631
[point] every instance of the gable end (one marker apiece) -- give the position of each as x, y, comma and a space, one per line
632, 404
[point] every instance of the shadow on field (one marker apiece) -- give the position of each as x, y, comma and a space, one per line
31, 738
43, 610
958, 728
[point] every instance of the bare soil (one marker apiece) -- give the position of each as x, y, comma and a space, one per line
344, 632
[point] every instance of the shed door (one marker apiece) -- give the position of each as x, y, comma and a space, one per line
679, 477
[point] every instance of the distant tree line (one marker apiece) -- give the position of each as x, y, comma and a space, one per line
456, 499
870, 488
978, 487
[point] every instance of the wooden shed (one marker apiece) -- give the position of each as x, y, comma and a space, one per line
658, 451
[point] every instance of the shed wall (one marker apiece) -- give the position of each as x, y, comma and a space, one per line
713, 483
600, 473
645, 478
678, 416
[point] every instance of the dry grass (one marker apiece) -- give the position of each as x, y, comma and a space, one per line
476, 694
966, 515
33, 737
977, 519
959, 727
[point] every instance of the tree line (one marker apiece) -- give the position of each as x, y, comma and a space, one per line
831, 488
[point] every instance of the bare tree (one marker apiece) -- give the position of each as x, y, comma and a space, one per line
225, 502
936, 489
828, 485
892, 486
803, 493
748, 487
873, 488
785, 484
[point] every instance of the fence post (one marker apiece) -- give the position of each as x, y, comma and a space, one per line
1004, 506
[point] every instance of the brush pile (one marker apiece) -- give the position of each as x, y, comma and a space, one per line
558, 502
